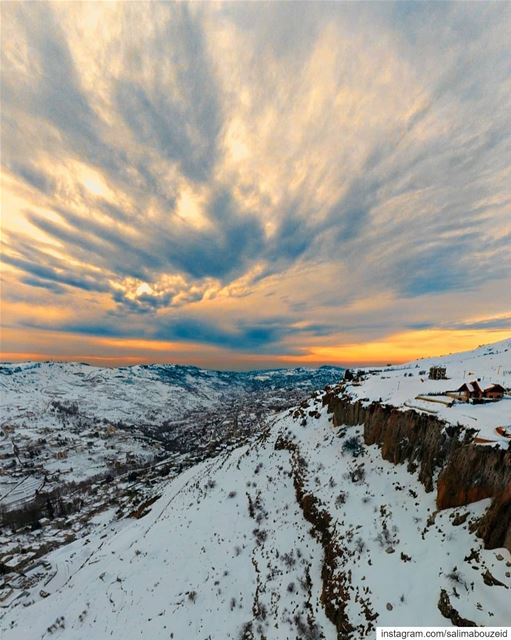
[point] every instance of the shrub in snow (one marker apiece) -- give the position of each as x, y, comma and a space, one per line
288, 559
307, 630
354, 446
341, 498
358, 475
58, 624
455, 576
260, 535
246, 632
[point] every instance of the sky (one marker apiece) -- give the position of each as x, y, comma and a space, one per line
244, 185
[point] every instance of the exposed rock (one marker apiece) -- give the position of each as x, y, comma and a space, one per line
467, 472
495, 527
143, 509
491, 581
459, 519
403, 436
448, 611
473, 473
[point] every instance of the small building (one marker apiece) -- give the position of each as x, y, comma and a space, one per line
494, 392
437, 373
470, 391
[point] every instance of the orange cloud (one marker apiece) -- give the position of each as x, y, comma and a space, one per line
395, 349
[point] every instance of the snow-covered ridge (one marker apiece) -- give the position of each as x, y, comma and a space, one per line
408, 386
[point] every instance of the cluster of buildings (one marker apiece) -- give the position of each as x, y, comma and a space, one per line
472, 392
469, 391
42, 455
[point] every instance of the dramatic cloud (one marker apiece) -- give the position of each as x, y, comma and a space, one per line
278, 179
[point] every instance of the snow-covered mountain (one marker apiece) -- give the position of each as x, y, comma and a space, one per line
142, 393
70, 422
306, 531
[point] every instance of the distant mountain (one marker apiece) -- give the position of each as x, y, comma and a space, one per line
68, 423
144, 392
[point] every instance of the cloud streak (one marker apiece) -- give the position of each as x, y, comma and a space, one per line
196, 171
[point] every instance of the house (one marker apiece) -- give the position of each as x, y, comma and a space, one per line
494, 392
437, 373
470, 391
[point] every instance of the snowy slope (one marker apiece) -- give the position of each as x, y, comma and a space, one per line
302, 532
227, 549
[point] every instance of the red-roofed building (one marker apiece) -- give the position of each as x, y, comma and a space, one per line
470, 391
494, 392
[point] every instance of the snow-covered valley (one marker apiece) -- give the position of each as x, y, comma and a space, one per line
73, 423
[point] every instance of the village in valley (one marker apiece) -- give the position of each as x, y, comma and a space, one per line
83, 447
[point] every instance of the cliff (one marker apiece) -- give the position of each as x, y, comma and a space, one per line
445, 456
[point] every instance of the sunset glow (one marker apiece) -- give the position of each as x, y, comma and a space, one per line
242, 185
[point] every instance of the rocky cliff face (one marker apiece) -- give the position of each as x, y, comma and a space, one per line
445, 456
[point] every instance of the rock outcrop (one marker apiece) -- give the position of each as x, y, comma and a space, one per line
334, 594
445, 456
